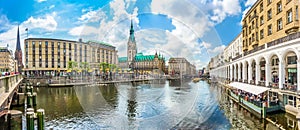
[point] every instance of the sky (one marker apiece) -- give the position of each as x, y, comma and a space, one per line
194, 29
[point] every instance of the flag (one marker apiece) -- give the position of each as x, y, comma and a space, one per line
26, 29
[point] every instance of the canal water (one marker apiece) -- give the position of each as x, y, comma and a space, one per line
149, 105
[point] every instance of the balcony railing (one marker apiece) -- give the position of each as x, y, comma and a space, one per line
237, 57
289, 87
270, 44
254, 50
284, 39
273, 85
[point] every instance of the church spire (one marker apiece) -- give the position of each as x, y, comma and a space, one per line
131, 31
18, 40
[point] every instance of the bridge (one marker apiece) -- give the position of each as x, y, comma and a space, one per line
8, 88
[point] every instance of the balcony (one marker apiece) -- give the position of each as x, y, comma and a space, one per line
253, 17
254, 43
273, 85
255, 49
237, 57
292, 27
289, 87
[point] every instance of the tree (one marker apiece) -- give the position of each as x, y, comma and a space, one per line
84, 66
112, 67
103, 66
71, 65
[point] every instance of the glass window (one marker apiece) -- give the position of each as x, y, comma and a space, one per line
261, 7
269, 2
297, 13
279, 24
279, 7
289, 16
269, 14
261, 20
292, 60
270, 29
262, 34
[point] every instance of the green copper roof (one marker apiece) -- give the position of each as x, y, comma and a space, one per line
100, 42
122, 59
139, 58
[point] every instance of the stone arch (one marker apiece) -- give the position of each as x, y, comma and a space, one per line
286, 51
290, 59
261, 74
274, 59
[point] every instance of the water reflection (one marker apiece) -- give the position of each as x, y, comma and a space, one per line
149, 105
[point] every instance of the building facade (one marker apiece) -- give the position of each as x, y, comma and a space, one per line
52, 56
234, 49
271, 51
181, 66
268, 20
138, 61
7, 61
18, 53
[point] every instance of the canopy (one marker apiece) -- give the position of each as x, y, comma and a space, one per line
249, 88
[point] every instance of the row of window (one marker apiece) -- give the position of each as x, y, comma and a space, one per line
279, 5
59, 53
4, 65
289, 19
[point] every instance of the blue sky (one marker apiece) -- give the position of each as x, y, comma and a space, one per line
194, 29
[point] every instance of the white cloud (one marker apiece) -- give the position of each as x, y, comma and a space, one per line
217, 49
250, 2
184, 13
48, 22
224, 8
9, 36
91, 16
40, 1
83, 31
4, 23
248, 6
52, 6
206, 45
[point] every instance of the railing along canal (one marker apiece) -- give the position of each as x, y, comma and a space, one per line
8, 82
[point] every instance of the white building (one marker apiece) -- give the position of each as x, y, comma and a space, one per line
234, 49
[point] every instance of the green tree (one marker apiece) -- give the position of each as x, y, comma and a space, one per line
84, 66
72, 65
112, 67
103, 66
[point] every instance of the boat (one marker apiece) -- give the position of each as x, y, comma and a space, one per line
195, 80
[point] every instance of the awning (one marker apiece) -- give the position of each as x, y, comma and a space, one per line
249, 88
